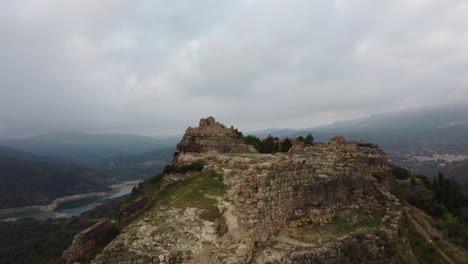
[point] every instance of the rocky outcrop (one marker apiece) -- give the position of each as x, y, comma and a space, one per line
276, 205
212, 137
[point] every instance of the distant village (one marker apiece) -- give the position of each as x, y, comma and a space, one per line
441, 157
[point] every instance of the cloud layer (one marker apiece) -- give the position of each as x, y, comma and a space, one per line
156, 66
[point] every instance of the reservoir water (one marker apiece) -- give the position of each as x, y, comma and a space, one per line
70, 208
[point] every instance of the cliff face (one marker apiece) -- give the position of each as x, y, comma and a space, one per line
325, 203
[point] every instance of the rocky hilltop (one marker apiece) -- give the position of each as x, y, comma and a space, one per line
212, 137
320, 203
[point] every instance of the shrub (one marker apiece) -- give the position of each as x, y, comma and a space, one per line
399, 172
194, 166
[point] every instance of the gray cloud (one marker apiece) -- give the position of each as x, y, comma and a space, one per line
155, 67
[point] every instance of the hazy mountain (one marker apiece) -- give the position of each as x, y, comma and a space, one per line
135, 166
404, 134
277, 132
414, 120
26, 179
87, 148
436, 129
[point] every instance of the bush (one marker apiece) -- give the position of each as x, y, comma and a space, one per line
270, 145
309, 139
399, 172
194, 166
109, 232
286, 145
253, 141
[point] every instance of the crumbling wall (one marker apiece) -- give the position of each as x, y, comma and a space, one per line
266, 194
266, 190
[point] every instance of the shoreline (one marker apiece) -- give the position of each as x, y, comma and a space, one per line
56, 202
124, 183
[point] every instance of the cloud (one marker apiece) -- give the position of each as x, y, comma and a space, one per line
155, 67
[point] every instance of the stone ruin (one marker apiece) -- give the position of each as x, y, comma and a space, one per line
212, 137
269, 195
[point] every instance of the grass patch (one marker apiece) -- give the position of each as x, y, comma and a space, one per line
192, 193
194, 166
423, 250
345, 222
349, 220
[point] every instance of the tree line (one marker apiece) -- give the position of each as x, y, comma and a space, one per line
443, 199
272, 144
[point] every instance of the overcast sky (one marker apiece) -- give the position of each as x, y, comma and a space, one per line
155, 67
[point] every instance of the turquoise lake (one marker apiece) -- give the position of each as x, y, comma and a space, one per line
71, 208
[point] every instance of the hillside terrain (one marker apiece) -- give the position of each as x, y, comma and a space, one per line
220, 201
26, 179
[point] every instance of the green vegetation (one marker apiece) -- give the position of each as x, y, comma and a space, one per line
30, 180
348, 221
110, 231
253, 141
423, 250
308, 140
344, 222
286, 145
238, 133
268, 145
443, 199
34, 241
195, 166
193, 193
399, 172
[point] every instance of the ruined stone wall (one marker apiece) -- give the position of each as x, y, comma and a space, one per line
375, 245
212, 137
266, 190
266, 194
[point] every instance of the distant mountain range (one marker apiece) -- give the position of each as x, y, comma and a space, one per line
404, 134
87, 148
432, 129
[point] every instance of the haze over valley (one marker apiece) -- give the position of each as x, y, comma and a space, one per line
221, 132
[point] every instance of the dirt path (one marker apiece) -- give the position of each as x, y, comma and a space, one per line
424, 233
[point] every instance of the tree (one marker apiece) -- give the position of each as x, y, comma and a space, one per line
254, 141
300, 138
270, 145
399, 172
309, 139
286, 145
